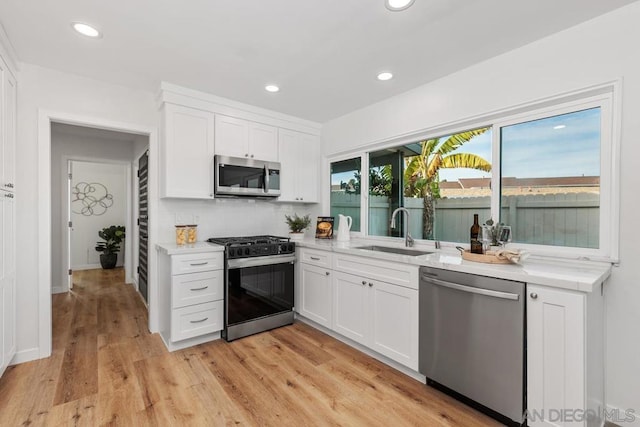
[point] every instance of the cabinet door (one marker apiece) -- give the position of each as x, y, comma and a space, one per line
394, 320
289, 158
308, 166
232, 136
351, 307
315, 294
8, 129
7, 279
555, 353
263, 142
188, 153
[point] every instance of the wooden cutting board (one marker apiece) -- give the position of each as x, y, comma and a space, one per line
487, 258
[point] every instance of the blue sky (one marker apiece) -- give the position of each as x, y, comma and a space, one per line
536, 149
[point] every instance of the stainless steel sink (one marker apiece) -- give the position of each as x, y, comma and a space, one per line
394, 250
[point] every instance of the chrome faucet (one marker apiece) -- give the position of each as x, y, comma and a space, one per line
408, 240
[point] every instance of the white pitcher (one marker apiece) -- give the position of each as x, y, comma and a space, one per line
344, 226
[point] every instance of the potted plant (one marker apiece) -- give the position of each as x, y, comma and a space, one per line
112, 237
297, 225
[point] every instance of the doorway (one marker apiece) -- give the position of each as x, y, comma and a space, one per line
148, 137
98, 195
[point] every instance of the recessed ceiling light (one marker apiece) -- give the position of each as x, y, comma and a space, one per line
86, 30
397, 5
271, 88
385, 76
559, 127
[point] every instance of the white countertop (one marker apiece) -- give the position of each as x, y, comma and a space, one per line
584, 276
198, 247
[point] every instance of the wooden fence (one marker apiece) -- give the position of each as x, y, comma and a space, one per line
567, 219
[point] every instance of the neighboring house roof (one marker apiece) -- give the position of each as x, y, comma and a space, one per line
567, 181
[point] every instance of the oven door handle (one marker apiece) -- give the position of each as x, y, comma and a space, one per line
260, 260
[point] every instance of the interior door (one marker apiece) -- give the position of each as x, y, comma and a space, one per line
143, 224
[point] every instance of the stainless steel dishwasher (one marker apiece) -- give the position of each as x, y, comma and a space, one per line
472, 342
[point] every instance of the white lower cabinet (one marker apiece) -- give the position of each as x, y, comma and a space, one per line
314, 294
565, 378
379, 315
351, 303
191, 296
355, 297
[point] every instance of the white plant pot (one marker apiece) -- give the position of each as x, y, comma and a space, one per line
296, 236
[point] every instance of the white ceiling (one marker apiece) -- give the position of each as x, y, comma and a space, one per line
324, 54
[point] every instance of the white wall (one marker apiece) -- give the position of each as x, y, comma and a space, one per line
598, 51
66, 146
105, 179
41, 88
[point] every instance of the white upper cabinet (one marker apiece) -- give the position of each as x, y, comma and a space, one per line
7, 128
299, 159
187, 153
242, 138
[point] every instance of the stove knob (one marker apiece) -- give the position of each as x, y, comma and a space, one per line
232, 252
291, 247
246, 251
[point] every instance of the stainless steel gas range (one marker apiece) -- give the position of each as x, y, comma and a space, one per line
259, 273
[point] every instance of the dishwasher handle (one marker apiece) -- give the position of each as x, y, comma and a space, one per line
471, 289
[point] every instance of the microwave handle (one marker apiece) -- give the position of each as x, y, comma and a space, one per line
266, 178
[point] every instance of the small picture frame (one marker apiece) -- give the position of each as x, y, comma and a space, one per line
324, 227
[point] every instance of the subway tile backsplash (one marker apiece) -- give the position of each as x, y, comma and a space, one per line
229, 217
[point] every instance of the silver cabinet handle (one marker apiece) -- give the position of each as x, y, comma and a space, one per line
534, 295
199, 263
9, 185
315, 258
9, 195
251, 156
199, 321
246, 155
199, 289
471, 289
327, 273
364, 282
370, 284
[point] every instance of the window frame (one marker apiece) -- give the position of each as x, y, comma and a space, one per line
606, 96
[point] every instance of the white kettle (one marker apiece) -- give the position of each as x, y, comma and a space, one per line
344, 226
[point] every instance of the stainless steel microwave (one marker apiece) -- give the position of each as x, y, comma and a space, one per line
237, 176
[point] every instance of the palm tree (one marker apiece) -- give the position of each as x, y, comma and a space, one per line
421, 171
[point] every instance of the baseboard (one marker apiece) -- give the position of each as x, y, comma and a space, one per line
26, 356
622, 417
58, 290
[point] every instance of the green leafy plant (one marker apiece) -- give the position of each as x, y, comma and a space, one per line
297, 224
112, 237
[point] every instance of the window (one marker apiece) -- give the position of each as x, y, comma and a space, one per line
546, 170
550, 179
345, 190
441, 181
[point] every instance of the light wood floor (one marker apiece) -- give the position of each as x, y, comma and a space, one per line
106, 369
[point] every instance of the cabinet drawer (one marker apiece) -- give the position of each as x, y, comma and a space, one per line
196, 320
373, 268
197, 288
193, 263
313, 257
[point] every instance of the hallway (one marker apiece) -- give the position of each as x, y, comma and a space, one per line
106, 369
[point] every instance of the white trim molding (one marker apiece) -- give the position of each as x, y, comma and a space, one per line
45, 118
